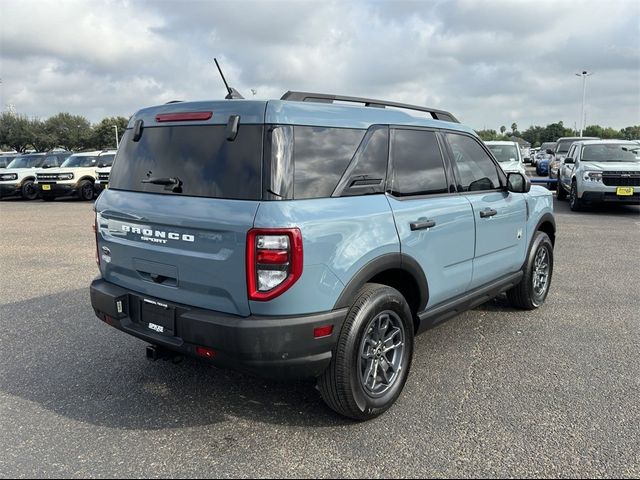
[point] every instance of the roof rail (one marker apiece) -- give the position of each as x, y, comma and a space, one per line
368, 102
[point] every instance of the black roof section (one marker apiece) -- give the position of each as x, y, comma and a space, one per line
368, 102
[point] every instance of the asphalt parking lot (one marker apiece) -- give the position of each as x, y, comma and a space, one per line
493, 392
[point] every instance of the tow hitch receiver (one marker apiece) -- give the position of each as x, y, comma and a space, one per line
156, 352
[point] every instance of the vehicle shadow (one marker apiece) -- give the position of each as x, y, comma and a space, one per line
57, 354
611, 209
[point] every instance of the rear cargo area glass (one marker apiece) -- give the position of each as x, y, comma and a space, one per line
200, 156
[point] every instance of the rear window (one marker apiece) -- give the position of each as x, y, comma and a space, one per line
200, 156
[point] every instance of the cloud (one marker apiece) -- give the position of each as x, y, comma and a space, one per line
490, 63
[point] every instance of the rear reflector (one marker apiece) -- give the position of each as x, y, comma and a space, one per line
183, 116
205, 352
325, 331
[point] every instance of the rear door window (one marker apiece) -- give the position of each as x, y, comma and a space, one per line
417, 167
200, 156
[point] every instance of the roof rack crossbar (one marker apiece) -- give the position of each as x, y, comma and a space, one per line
368, 102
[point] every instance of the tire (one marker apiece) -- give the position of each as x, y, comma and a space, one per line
29, 191
575, 204
351, 385
86, 191
531, 293
538, 172
562, 193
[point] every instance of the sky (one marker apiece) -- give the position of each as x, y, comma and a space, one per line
490, 63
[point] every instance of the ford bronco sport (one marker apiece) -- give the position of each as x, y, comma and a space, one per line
20, 175
303, 238
76, 177
105, 162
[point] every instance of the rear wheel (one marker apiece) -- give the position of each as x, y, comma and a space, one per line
532, 290
86, 190
29, 191
372, 358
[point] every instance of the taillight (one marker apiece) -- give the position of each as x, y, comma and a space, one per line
95, 231
274, 261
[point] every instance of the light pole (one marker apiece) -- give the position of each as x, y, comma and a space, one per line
117, 141
584, 76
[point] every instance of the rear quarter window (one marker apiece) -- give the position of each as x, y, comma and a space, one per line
321, 156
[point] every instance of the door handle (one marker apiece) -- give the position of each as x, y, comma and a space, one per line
488, 212
421, 225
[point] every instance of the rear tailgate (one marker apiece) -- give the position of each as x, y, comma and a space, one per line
182, 195
184, 250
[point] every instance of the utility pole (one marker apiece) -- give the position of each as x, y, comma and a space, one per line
117, 141
584, 76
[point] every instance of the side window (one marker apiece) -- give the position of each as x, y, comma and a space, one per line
321, 155
417, 167
476, 170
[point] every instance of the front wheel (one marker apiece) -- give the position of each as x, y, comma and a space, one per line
29, 191
561, 193
372, 358
575, 204
86, 190
532, 290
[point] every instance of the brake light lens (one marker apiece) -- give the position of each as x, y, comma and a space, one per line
274, 261
95, 232
183, 116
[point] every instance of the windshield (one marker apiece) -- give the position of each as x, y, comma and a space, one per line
194, 160
504, 153
25, 161
106, 160
51, 161
80, 161
611, 152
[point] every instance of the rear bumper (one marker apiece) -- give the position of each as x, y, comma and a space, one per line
610, 197
274, 347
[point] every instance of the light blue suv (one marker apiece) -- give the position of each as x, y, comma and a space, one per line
305, 238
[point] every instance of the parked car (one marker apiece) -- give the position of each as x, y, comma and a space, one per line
601, 171
543, 157
6, 158
301, 238
509, 155
559, 153
105, 162
76, 177
19, 176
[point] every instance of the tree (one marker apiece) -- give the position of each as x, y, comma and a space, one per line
16, 131
104, 135
503, 129
514, 128
72, 132
487, 135
630, 133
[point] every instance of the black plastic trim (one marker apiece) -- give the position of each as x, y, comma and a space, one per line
467, 301
389, 261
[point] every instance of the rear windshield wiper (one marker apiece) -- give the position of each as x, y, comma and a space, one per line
170, 183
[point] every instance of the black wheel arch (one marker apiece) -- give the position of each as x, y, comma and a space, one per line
547, 224
396, 266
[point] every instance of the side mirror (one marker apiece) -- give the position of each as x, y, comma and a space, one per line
549, 152
569, 160
518, 183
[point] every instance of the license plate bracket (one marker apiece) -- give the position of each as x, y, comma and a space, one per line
158, 317
624, 191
